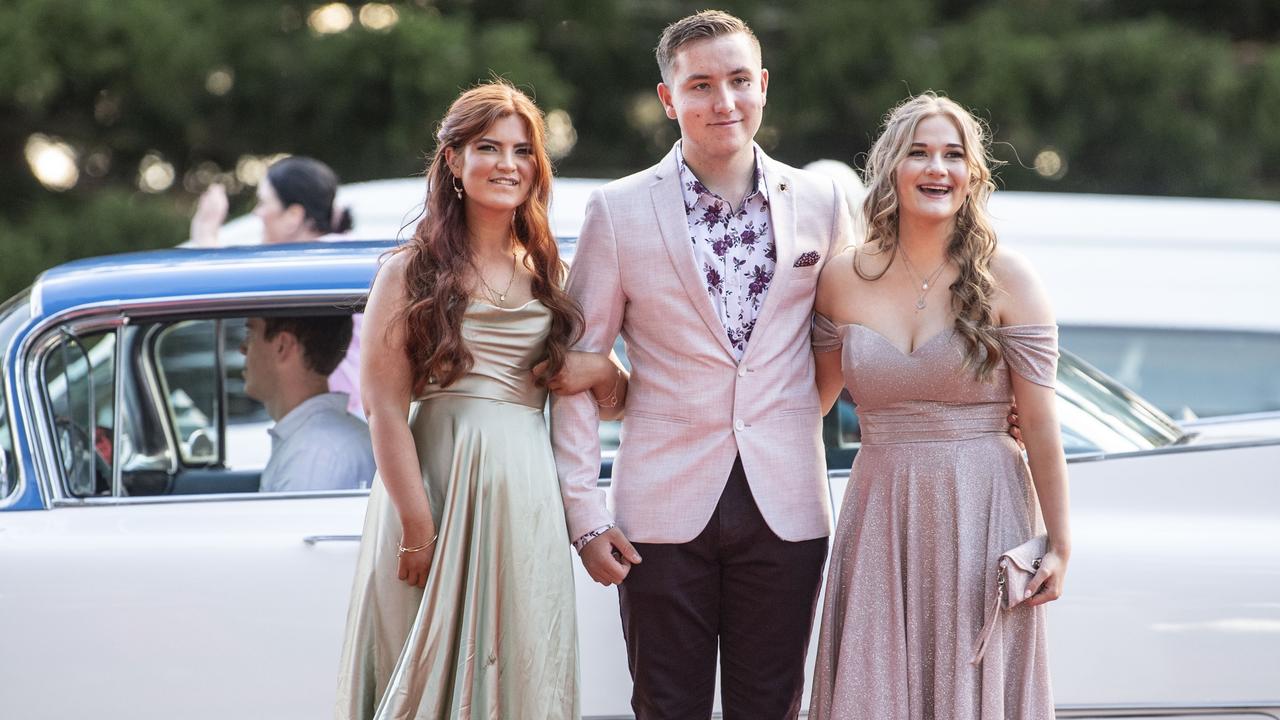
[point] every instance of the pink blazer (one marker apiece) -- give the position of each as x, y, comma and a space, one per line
691, 409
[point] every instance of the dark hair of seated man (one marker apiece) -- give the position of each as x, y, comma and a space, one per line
324, 339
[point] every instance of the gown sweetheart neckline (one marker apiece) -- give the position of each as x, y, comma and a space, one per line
949, 330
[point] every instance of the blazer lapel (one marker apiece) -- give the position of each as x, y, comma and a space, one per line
673, 223
782, 213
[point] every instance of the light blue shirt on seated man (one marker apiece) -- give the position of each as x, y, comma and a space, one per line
319, 446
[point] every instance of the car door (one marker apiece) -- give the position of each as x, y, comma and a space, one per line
140, 592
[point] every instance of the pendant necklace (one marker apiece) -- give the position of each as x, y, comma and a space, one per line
498, 297
925, 282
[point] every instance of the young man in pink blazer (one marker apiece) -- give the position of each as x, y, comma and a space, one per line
707, 263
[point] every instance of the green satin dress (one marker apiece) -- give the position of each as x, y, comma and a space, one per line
494, 633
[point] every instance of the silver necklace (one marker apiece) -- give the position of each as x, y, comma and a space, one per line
925, 282
498, 297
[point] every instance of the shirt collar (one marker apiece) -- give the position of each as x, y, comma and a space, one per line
695, 192
315, 405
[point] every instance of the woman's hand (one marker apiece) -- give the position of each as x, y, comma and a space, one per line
581, 372
414, 567
1046, 585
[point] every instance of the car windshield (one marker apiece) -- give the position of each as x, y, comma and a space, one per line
1100, 415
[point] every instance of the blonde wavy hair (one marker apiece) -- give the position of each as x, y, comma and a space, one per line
973, 242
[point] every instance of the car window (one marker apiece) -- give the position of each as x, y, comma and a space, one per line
185, 353
1187, 373
78, 375
223, 438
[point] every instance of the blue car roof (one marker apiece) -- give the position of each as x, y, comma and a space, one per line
184, 272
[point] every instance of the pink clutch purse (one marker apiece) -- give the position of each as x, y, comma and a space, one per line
1014, 571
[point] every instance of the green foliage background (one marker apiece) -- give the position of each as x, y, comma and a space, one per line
1176, 97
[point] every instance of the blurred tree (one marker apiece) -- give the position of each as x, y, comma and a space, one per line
1155, 97
196, 89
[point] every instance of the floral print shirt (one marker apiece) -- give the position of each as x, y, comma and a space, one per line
734, 250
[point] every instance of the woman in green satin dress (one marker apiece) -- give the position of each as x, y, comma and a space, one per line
463, 603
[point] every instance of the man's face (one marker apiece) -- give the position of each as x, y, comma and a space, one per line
259, 360
717, 94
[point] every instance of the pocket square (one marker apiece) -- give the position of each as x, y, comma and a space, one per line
808, 259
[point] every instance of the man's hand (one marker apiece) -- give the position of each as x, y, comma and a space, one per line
1015, 431
609, 557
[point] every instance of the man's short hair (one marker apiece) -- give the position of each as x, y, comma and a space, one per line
702, 26
323, 338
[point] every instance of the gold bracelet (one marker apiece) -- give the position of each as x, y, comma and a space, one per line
612, 400
419, 548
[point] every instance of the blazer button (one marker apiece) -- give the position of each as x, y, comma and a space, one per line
739, 425
742, 372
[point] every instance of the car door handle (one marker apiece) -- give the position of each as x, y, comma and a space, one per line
313, 539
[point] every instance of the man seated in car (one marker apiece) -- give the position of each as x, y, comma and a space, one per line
315, 444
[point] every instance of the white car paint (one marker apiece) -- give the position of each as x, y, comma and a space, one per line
220, 608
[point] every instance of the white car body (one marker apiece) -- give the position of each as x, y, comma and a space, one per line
1151, 290
233, 605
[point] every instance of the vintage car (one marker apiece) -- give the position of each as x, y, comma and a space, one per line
1174, 297
142, 574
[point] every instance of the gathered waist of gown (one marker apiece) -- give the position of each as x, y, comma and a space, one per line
536, 400
916, 421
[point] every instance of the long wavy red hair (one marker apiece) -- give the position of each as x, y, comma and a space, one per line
439, 263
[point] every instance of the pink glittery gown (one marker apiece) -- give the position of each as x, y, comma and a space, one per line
937, 492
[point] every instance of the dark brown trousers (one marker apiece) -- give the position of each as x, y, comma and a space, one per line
736, 586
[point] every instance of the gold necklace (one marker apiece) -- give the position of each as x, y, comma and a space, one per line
498, 297
925, 282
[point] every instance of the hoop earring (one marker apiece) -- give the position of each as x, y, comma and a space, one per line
457, 187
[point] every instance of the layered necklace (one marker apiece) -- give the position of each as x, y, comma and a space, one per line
498, 298
926, 281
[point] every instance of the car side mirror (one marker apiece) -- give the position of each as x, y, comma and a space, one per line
200, 446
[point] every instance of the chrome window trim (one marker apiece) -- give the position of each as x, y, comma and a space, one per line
207, 498
14, 404
154, 391
165, 408
1167, 450
117, 412
37, 339
1229, 419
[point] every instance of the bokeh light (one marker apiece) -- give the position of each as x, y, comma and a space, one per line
97, 163
106, 108
561, 135
155, 174
52, 162
250, 170
1050, 165
220, 81
331, 18
378, 16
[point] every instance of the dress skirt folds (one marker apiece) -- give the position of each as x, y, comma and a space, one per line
493, 635
937, 492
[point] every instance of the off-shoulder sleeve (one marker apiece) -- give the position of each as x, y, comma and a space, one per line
824, 336
1031, 351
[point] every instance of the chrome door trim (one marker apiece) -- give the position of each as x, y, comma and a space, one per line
1268, 710
313, 539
